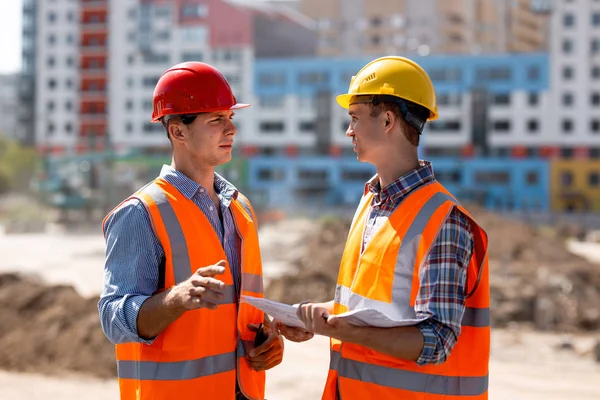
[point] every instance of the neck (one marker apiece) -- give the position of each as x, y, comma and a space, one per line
203, 175
396, 165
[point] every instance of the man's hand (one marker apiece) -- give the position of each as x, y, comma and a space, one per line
294, 334
270, 353
201, 290
317, 319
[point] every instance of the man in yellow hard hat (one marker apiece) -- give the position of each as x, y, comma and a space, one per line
414, 256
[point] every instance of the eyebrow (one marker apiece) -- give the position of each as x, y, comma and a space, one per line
351, 112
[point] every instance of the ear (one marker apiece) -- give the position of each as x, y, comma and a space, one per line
175, 131
389, 119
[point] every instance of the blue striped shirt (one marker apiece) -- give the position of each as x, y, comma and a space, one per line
134, 253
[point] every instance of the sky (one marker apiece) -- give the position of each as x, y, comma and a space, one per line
10, 35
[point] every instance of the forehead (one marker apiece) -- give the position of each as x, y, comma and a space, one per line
358, 108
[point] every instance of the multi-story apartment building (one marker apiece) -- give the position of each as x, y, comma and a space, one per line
488, 105
9, 101
26, 115
355, 27
97, 62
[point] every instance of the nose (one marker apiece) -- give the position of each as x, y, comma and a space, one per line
349, 131
230, 129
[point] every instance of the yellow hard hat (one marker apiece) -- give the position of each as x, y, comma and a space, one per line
393, 76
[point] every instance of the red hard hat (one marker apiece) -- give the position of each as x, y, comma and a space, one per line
191, 88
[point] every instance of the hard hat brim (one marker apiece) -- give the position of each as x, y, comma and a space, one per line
233, 107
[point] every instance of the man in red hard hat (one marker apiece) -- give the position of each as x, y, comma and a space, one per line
180, 252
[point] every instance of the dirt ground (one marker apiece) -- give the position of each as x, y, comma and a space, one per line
525, 364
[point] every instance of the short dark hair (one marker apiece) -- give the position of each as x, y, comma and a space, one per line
417, 113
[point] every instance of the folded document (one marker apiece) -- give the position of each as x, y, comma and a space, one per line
286, 314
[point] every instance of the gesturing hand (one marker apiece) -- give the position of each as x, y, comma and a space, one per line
201, 290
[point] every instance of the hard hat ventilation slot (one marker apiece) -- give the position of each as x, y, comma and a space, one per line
186, 95
369, 78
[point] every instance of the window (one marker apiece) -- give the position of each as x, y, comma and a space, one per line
567, 46
311, 174
492, 177
196, 34
129, 105
567, 126
533, 73
595, 72
532, 178
595, 46
451, 176
567, 99
69, 39
595, 126
70, 61
271, 79
449, 99
442, 75
70, 16
533, 126
52, 83
567, 152
568, 20
533, 99
192, 56
51, 17
375, 40
150, 58
69, 83
306, 126
501, 99
194, 10
444, 126
494, 74
265, 174
50, 129
596, 19
501, 126
150, 127
147, 105
566, 178
162, 36
271, 101
345, 125
68, 106
594, 179
50, 106
357, 175
595, 98
567, 73
376, 21
272, 127
129, 128
150, 81
51, 39
68, 128
595, 152
312, 78
162, 11
51, 61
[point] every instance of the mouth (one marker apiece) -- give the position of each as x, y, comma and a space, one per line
226, 146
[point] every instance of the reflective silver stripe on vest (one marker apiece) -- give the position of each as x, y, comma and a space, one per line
252, 283
334, 360
180, 370
230, 297
412, 381
242, 346
399, 308
181, 262
476, 317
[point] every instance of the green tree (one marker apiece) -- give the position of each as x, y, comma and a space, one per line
18, 164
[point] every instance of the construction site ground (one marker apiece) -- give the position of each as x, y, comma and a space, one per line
525, 364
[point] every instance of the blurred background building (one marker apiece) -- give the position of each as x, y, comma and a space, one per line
518, 85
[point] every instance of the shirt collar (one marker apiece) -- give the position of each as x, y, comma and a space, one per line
189, 188
401, 186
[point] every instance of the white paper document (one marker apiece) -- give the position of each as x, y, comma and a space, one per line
286, 314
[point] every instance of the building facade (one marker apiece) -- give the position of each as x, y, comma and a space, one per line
422, 27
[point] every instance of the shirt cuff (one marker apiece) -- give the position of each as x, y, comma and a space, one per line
429, 344
131, 309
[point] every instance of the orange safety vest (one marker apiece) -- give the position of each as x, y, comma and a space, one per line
201, 354
385, 276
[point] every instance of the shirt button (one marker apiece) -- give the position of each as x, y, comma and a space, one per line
201, 190
211, 208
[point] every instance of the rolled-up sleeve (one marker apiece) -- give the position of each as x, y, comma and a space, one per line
441, 296
131, 271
